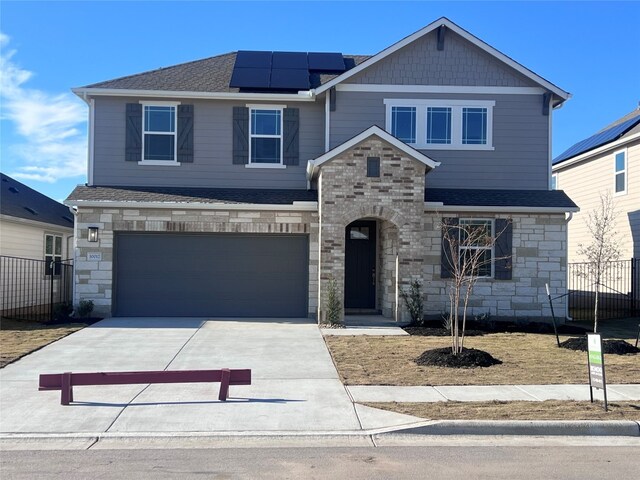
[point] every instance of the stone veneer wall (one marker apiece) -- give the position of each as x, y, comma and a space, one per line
93, 279
346, 194
539, 257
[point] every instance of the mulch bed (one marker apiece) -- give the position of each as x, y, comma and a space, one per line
468, 358
434, 328
615, 347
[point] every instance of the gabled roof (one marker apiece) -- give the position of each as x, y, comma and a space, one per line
211, 74
443, 21
18, 200
615, 131
374, 130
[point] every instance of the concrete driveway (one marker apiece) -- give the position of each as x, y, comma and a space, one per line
295, 384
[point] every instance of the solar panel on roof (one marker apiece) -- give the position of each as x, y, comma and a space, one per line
329, 62
290, 79
297, 60
597, 140
250, 78
253, 59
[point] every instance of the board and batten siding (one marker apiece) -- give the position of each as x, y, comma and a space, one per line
213, 164
460, 63
520, 159
585, 181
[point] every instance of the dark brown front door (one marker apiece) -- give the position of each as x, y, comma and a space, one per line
360, 265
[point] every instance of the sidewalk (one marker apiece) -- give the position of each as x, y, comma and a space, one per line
488, 393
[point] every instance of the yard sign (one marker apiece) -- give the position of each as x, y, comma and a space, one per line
596, 366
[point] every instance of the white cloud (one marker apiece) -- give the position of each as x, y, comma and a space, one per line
51, 128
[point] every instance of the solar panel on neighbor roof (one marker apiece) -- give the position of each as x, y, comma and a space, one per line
250, 78
597, 140
290, 79
253, 59
296, 60
328, 62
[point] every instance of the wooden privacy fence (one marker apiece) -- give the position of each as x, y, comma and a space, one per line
619, 295
32, 289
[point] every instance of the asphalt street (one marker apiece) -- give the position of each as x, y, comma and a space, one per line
408, 462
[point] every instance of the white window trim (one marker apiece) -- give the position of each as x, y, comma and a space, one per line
174, 162
554, 177
53, 254
281, 164
492, 248
456, 121
625, 172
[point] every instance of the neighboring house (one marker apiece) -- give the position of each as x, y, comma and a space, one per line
240, 184
34, 231
606, 162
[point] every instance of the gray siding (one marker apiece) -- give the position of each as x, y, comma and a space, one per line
460, 63
212, 165
520, 139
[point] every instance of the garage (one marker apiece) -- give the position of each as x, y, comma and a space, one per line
211, 275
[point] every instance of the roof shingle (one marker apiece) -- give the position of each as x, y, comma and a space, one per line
499, 198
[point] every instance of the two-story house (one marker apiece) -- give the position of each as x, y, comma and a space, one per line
239, 185
607, 162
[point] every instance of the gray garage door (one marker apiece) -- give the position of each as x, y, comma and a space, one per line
211, 275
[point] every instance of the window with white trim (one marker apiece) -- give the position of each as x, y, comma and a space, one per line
265, 135
475, 245
159, 133
52, 253
554, 181
620, 172
441, 124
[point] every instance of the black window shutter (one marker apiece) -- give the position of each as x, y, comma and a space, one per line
291, 140
133, 135
450, 225
185, 133
240, 135
503, 249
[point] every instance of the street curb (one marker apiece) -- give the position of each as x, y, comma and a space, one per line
617, 428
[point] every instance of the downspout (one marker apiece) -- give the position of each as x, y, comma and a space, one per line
566, 304
327, 120
91, 134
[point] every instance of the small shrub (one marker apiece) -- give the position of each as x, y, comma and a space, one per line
333, 305
485, 318
84, 309
446, 320
62, 311
413, 301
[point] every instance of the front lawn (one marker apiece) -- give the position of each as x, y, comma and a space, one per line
20, 337
528, 358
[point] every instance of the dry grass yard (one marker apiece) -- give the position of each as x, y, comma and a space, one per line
548, 410
19, 337
527, 359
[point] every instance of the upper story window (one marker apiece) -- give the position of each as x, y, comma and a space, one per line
265, 134
442, 124
52, 253
554, 181
620, 172
159, 133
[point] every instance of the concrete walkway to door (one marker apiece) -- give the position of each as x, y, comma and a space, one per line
295, 384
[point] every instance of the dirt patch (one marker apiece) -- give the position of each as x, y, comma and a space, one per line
19, 337
547, 410
468, 358
614, 347
530, 359
438, 332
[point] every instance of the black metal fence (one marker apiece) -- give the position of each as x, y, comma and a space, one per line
619, 295
34, 289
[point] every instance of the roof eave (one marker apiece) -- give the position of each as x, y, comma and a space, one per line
86, 92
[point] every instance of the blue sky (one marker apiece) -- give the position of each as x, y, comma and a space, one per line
588, 48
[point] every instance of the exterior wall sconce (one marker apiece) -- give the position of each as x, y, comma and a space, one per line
93, 234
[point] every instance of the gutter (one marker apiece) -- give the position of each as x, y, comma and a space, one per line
440, 207
302, 96
294, 207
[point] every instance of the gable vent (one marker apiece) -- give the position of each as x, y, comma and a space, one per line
31, 210
13, 190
